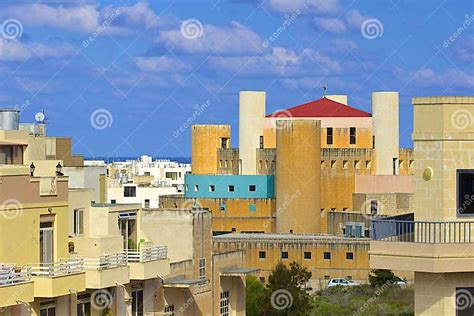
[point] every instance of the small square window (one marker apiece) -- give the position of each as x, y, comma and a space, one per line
333, 164
196, 188
262, 279
262, 254
345, 209
212, 188
349, 277
113, 201
231, 188
252, 188
356, 164
307, 254
327, 277
327, 255
284, 254
345, 164
349, 255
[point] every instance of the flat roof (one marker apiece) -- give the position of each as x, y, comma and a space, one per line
4, 143
235, 271
286, 237
181, 281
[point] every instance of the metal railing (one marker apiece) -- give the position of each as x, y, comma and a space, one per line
11, 274
147, 254
63, 267
105, 261
422, 231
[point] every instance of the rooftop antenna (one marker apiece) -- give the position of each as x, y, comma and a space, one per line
40, 117
324, 90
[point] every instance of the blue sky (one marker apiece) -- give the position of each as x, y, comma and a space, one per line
125, 78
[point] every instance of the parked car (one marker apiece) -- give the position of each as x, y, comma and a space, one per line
341, 282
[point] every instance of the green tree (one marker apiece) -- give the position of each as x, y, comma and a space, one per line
254, 293
381, 277
286, 293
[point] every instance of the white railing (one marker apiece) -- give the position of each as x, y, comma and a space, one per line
105, 261
63, 267
12, 274
147, 254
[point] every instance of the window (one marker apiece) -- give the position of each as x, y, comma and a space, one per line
137, 302
169, 310
113, 201
226, 164
356, 164
83, 305
224, 142
262, 279
196, 188
327, 277
322, 164
147, 203
327, 255
220, 164
223, 206
349, 255
465, 192
260, 164
284, 254
261, 142
212, 188
48, 308
224, 309
78, 222
395, 166
230, 188
329, 136
262, 254
307, 254
352, 135
373, 207
333, 164
345, 164
345, 209
349, 277
367, 164
252, 188
373, 142
129, 191
202, 268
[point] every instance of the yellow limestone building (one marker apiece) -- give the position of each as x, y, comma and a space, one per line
303, 183
438, 244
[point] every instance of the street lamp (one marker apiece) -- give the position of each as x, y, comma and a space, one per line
59, 169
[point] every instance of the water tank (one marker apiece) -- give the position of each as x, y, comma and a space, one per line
9, 119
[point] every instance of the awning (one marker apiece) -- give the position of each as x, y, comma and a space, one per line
238, 271
182, 282
4, 143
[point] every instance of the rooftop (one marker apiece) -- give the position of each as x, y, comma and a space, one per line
286, 237
323, 107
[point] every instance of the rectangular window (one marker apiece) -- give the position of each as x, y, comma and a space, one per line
368, 165
307, 254
329, 136
327, 255
212, 188
231, 188
345, 164
352, 137
224, 308
113, 201
252, 188
333, 164
349, 255
356, 164
262, 254
147, 203
261, 142
137, 302
395, 166
224, 142
465, 192
169, 310
373, 207
202, 268
196, 188
84, 305
78, 222
48, 308
130, 191
284, 254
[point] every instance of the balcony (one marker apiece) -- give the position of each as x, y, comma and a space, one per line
422, 246
15, 285
58, 278
106, 271
148, 263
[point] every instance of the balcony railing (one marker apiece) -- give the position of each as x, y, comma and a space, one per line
11, 274
147, 254
61, 268
422, 231
105, 261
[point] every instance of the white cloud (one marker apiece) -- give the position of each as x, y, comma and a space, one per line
160, 64
16, 50
355, 19
333, 25
427, 77
465, 49
310, 6
235, 38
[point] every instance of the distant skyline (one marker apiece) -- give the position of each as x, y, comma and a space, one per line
128, 78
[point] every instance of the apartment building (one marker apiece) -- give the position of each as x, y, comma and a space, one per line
313, 169
436, 245
65, 251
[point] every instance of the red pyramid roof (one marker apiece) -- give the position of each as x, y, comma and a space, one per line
323, 107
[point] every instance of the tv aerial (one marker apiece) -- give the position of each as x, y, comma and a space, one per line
40, 117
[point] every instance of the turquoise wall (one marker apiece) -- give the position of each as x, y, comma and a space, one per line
264, 186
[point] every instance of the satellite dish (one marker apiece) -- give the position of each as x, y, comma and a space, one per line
39, 117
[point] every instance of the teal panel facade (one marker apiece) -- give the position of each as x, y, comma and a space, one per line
229, 186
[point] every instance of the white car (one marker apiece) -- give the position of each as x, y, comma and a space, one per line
341, 282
